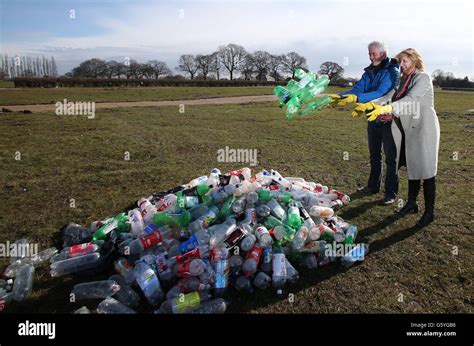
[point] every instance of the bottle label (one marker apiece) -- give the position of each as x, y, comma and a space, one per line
279, 265
222, 274
189, 244
260, 231
187, 302
234, 238
150, 229
196, 253
183, 269
255, 253
161, 263
267, 254
80, 249
150, 240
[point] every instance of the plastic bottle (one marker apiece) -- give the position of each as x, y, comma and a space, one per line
300, 238
77, 250
320, 211
292, 273
112, 306
252, 260
279, 276
176, 219
23, 283
191, 267
136, 222
263, 236
243, 284
184, 303
144, 242
123, 267
262, 281
95, 289
235, 263
125, 295
276, 209
149, 283
120, 223
187, 285
247, 242
267, 257
200, 238
293, 219
75, 264
205, 220
357, 253
215, 306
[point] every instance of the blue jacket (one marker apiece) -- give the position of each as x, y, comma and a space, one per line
376, 83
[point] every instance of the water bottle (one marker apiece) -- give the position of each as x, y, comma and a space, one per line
215, 306
201, 251
95, 289
267, 256
198, 211
221, 231
77, 250
276, 209
75, 264
262, 281
279, 275
205, 220
222, 274
351, 234
76, 234
263, 236
292, 273
247, 242
357, 253
238, 206
125, 295
277, 232
42, 256
235, 264
300, 238
112, 306
149, 283
19, 244
252, 260
23, 283
136, 222
320, 211
262, 211
200, 238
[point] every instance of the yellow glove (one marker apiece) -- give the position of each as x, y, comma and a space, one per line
346, 99
335, 99
363, 108
387, 109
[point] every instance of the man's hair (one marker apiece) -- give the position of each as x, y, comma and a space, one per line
378, 45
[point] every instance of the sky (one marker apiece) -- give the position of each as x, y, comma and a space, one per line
339, 31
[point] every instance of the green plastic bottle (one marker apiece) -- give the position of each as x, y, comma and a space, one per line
120, 223
294, 219
176, 219
315, 105
226, 209
267, 195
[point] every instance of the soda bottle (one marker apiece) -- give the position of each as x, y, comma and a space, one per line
320, 211
267, 255
263, 236
294, 220
191, 267
184, 303
247, 242
252, 260
77, 250
120, 223
144, 242
279, 276
176, 219
75, 264
351, 234
187, 285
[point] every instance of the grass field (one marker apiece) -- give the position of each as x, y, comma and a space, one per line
75, 157
43, 96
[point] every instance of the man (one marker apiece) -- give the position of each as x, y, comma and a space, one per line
380, 78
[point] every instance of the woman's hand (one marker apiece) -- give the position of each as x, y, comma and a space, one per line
379, 110
363, 108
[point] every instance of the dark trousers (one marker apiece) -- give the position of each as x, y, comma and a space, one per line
429, 192
381, 135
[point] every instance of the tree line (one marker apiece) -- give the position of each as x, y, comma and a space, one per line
27, 66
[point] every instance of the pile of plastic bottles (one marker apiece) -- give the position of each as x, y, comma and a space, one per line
184, 250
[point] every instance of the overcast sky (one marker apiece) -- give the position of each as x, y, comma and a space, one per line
321, 31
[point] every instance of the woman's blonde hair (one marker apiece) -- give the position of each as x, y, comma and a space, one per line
414, 56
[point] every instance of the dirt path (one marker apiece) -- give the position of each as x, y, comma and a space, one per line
103, 105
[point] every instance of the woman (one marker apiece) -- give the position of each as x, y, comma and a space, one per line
415, 129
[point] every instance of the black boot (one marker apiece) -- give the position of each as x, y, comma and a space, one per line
410, 207
429, 191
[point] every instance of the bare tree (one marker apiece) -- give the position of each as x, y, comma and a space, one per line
332, 69
261, 60
275, 66
187, 64
204, 64
294, 61
232, 56
92, 68
248, 67
159, 68
216, 65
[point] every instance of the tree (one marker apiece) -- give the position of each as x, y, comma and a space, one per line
187, 64
92, 68
248, 67
333, 70
232, 56
216, 64
159, 68
204, 64
293, 61
261, 60
275, 66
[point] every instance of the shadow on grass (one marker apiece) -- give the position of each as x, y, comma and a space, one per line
348, 214
310, 278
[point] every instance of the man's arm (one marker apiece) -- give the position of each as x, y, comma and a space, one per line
389, 81
359, 86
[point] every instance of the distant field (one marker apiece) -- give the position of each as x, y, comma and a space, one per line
52, 95
73, 157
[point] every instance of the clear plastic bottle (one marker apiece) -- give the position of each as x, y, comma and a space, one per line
112, 306
276, 209
75, 264
187, 285
125, 295
280, 275
263, 236
252, 260
23, 283
262, 281
184, 303
95, 289
191, 267
149, 283
215, 306
123, 267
